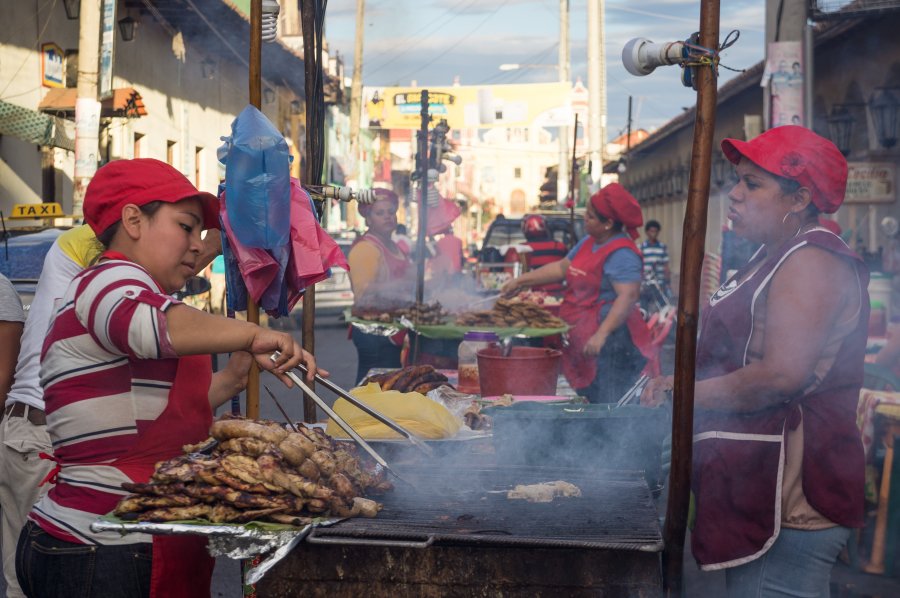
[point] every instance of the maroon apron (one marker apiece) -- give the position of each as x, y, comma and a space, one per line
738, 460
581, 310
182, 568
397, 267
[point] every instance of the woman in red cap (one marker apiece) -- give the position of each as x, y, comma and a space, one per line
127, 382
380, 274
603, 282
778, 461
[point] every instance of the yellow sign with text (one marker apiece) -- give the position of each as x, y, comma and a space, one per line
37, 210
470, 106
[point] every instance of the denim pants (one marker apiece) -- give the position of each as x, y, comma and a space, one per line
618, 367
373, 351
51, 568
798, 564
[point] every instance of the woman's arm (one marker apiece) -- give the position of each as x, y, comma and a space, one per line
10, 335
803, 306
195, 332
549, 273
627, 294
231, 379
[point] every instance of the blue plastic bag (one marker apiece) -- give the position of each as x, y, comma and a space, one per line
257, 181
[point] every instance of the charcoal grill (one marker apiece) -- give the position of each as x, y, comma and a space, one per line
456, 534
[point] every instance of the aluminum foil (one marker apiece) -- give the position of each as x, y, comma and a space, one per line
232, 541
377, 328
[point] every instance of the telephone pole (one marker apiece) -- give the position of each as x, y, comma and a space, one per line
87, 108
562, 178
596, 84
356, 85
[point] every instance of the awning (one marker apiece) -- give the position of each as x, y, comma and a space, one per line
124, 102
36, 127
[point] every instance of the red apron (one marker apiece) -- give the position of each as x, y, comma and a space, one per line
181, 566
581, 310
397, 267
738, 461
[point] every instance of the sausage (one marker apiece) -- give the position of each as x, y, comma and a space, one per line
238, 428
296, 448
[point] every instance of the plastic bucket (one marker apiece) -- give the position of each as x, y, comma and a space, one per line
525, 371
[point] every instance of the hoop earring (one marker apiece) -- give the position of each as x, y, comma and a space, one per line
784, 220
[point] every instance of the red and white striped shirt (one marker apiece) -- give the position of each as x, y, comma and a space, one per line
106, 368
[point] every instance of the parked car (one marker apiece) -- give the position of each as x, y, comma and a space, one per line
335, 293
22, 257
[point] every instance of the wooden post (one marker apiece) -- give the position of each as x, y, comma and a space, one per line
694, 234
255, 99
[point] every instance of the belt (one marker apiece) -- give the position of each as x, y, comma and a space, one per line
35, 415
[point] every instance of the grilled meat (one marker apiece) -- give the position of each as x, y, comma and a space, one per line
240, 428
253, 447
176, 513
136, 504
296, 448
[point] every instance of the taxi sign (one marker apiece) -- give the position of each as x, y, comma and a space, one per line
37, 210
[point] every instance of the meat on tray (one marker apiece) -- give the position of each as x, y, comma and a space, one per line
425, 313
511, 313
415, 378
258, 472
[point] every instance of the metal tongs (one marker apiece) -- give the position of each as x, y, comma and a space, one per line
635, 391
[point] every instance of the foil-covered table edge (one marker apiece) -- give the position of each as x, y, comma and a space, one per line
233, 541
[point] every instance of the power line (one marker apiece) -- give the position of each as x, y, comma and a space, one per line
421, 35
459, 41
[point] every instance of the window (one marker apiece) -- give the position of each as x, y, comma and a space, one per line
136, 147
198, 165
170, 152
517, 172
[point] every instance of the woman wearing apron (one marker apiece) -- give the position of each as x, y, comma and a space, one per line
778, 461
603, 280
380, 273
127, 381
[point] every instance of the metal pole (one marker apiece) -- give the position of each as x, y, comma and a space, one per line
356, 84
694, 234
574, 188
563, 174
312, 59
628, 133
596, 85
423, 211
255, 66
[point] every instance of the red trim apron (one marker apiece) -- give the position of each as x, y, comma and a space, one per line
738, 461
397, 267
181, 566
581, 310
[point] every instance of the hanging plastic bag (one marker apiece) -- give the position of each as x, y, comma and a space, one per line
257, 181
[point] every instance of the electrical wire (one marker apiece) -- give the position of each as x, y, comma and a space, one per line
411, 42
40, 36
456, 43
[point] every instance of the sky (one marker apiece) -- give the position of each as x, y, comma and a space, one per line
433, 41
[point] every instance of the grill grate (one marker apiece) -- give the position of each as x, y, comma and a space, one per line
456, 506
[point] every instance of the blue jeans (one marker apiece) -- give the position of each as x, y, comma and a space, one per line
798, 564
373, 351
49, 568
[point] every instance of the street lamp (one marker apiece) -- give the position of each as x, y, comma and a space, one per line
884, 109
126, 28
73, 9
840, 127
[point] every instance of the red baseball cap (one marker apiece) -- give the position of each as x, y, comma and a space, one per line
615, 203
796, 153
139, 182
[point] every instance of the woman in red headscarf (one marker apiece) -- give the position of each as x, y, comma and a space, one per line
381, 275
778, 461
603, 283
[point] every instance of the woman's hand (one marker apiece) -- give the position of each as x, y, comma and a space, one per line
658, 391
595, 344
510, 287
266, 342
